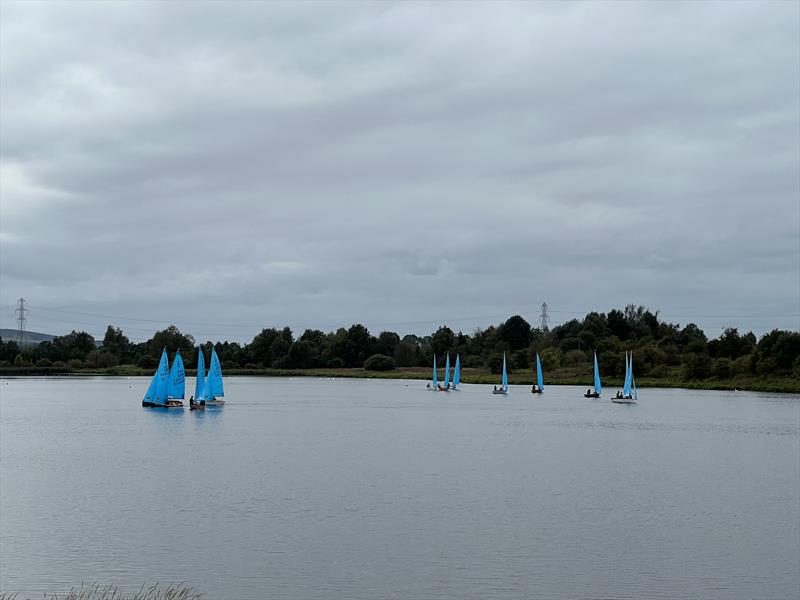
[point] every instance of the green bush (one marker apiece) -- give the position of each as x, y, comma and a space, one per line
147, 362
336, 363
44, 362
721, 368
379, 362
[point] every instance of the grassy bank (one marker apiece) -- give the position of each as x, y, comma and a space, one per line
564, 376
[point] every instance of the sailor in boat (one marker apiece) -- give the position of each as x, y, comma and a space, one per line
429, 385
588, 392
535, 389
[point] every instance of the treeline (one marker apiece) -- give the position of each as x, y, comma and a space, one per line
661, 349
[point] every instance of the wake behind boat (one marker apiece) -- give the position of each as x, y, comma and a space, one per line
167, 387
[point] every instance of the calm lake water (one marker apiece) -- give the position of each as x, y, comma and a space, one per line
310, 488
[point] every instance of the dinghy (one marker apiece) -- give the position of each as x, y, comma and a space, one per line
503, 389
627, 397
166, 386
433, 385
213, 392
597, 388
446, 386
539, 387
457, 373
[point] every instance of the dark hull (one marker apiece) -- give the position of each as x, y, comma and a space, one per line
592, 395
537, 391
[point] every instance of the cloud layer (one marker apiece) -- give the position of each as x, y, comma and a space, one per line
239, 165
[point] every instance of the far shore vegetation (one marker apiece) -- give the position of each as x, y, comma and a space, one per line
665, 354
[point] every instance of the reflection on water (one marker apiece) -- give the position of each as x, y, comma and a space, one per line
309, 489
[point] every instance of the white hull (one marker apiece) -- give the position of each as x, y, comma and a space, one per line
217, 402
623, 401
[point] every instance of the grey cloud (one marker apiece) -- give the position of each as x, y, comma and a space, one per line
325, 163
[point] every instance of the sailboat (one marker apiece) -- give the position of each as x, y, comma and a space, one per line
539, 387
597, 388
457, 373
200, 382
433, 385
503, 389
167, 386
213, 392
446, 386
628, 396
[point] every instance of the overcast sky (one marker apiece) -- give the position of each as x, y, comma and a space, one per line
228, 167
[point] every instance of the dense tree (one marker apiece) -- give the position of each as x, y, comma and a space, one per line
443, 341
172, 339
660, 349
516, 331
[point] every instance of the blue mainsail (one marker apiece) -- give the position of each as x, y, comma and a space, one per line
176, 386
200, 382
596, 375
457, 372
626, 390
539, 372
447, 372
435, 381
157, 391
505, 375
214, 381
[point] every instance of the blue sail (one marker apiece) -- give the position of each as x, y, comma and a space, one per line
457, 372
200, 382
505, 375
539, 381
214, 382
157, 391
435, 383
176, 385
447, 372
597, 387
626, 390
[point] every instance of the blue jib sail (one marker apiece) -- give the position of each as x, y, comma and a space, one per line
157, 391
176, 387
457, 372
447, 372
200, 382
539, 381
505, 374
596, 375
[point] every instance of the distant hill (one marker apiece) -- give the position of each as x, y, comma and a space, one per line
29, 338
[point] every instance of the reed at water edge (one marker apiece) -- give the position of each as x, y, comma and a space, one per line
94, 591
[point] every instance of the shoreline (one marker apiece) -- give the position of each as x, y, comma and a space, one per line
786, 385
